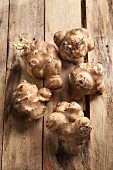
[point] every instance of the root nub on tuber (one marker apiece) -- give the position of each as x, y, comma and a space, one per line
73, 44
69, 124
86, 79
29, 102
42, 61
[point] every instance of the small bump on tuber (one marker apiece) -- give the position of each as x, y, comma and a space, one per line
69, 124
42, 61
73, 44
29, 102
86, 79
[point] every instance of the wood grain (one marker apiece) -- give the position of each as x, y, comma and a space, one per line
100, 26
61, 15
4, 6
30, 146
22, 145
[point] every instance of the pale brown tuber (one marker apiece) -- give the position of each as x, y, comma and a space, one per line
29, 102
86, 79
69, 124
73, 44
42, 61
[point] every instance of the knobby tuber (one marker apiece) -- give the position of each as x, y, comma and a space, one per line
73, 44
86, 79
29, 102
68, 122
42, 61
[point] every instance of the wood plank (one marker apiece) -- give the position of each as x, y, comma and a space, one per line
100, 26
61, 15
4, 7
22, 145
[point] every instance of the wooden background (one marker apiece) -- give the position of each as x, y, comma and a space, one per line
30, 146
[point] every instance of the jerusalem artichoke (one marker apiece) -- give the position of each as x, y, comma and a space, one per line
73, 44
42, 61
68, 122
28, 101
86, 79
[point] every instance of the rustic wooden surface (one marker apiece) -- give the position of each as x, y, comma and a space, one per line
22, 142
100, 26
60, 16
29, 146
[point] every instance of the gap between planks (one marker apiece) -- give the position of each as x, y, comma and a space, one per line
84, 25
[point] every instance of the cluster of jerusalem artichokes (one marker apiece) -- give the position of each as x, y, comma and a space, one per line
42, 60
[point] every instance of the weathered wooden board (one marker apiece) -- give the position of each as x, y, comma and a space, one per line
61, 15
4, 6
100, 26
29, 145
22, 144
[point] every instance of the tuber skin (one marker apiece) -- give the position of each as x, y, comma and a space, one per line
42, 61
86, 79
29, 102
73, 44
68, 122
